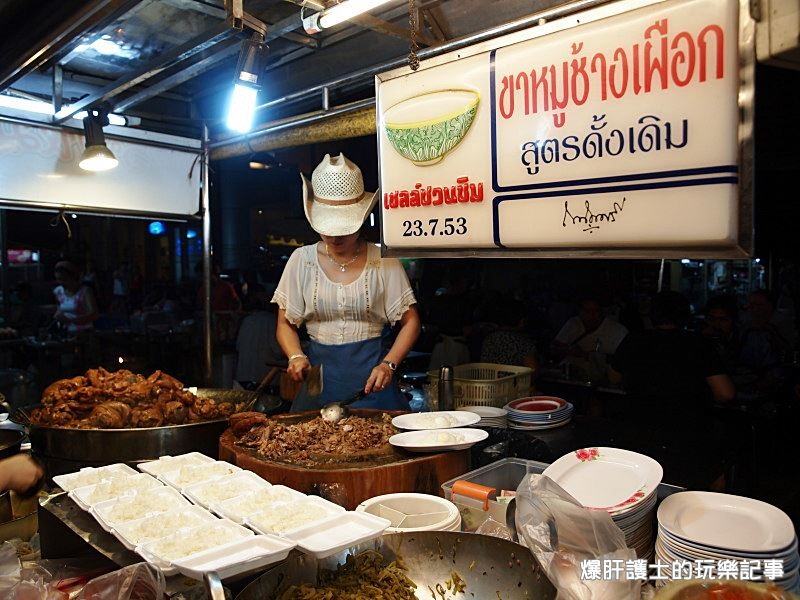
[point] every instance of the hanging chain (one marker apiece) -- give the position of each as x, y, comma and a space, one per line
413, 22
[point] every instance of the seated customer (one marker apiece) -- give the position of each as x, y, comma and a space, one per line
588, 339
720, 329
673, 377
510, 345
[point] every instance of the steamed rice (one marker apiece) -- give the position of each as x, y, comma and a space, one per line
173, 463
191, 474
289, 516
93, 477
180, 546
109, 490
219, 490
259, 501
155, 527
141, 505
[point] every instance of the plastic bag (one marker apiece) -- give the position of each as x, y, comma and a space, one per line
496, 529
135, 582
562, 534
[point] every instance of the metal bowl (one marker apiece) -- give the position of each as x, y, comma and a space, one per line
65, 450
490, 567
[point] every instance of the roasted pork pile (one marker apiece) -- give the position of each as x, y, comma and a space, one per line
307, 441
118, 400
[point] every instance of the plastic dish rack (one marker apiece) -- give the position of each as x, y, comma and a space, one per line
484, 384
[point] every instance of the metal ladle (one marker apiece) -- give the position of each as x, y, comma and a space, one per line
336, 411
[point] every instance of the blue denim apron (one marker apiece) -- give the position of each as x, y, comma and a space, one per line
346, 370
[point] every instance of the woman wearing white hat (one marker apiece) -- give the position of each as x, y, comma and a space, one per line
346, 295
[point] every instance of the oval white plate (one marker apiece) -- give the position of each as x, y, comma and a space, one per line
607, 478
727, 522
433, 441
442, 419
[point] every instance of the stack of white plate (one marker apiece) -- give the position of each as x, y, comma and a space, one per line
706, 526
538, 412
490, 416
621, 482
410, 512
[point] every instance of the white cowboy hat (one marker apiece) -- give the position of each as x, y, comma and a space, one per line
334, 200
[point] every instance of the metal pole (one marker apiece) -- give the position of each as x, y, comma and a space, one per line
661, 275
205, 209
4, 259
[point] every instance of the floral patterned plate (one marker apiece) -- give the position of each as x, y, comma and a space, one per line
609, 479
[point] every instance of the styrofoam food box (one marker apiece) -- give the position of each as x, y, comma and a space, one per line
92, 475
166, 498
173, 463
189, 475
338, 533
231, 486
150, 551
126, 532
230, 508
236, 558
120, 486
326, 509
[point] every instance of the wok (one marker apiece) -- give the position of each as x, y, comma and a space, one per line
491, 568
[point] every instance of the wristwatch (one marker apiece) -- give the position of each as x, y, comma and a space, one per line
390, 364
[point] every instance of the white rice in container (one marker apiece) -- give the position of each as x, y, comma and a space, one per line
289, 516
219, 490
108, 490
157, 526
192, 474
139, 506
260, 501
173, 463
203, 538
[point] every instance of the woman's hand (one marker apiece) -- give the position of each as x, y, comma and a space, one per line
298, 367
19, 473
379, 379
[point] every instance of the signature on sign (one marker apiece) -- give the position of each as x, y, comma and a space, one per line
590, 220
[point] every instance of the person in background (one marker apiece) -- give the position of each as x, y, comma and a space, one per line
510, 345
256, 343
77, 309
120, 292
19, 473
721, 329
673, 378
24, 314
588, 339
223, 294
767, 339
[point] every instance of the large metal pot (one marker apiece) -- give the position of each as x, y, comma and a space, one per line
10, 442
64, 450
490, 567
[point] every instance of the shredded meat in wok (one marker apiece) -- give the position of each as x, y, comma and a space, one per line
302, 442
101, 399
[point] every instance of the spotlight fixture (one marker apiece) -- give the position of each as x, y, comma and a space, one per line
338, 14
259, 166
246, 83
96, 156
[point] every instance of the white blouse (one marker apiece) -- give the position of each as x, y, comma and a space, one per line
336, 313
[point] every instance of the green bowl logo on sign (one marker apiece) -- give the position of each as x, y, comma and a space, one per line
425, 128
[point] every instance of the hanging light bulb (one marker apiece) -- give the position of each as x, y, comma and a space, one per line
96, 156
246, 83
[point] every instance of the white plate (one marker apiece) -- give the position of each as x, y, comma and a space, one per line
236, 558
442, 419
726, 522
671, 540
338, 533
607, 478
438, 440
485, 412
93, 475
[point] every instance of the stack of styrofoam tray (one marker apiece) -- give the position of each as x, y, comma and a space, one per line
110, 489
335, 534
156, 468
92, 475
112, 513
209, 493
192, 474
237, 557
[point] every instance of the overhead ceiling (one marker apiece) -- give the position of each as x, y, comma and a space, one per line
171, 62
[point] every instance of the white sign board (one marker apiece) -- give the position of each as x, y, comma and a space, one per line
39, 166
617, 132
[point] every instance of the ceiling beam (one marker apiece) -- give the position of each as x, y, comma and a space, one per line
375, 24
166, 60
93, 15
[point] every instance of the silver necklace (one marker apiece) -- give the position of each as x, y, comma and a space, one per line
342, 266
